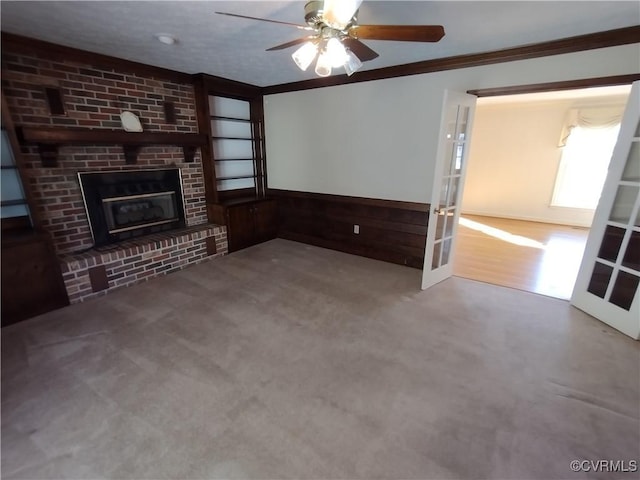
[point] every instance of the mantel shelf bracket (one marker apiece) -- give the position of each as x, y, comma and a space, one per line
131, 153
189, 152
48, 155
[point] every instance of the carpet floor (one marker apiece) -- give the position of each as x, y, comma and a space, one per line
291, 361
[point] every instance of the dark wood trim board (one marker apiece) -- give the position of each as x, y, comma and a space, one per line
227, 88
557, 86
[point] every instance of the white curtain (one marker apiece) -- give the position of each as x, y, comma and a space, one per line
592, 117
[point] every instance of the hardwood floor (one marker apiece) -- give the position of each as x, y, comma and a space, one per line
537, 257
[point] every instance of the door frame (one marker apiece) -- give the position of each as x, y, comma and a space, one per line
596, 82
610, 81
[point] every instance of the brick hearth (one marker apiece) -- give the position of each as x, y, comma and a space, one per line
138, 260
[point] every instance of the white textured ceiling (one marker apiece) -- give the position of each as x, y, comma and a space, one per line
235, 48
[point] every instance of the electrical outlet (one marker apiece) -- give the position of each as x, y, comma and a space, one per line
356, 229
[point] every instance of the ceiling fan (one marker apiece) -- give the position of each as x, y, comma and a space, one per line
335, 35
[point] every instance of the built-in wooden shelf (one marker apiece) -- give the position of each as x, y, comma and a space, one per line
49, 139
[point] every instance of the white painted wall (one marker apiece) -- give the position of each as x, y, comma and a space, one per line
378, 139
514, 159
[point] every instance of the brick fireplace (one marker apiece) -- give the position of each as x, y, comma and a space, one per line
94, 98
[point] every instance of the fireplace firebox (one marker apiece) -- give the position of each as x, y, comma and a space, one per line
126, 204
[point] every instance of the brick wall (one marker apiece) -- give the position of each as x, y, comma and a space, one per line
94, 98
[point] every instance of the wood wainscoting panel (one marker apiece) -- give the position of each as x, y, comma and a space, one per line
392, 231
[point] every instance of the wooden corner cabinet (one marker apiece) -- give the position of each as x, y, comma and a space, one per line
249, 221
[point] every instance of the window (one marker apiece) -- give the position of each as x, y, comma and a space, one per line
237, 164
588, 143
13, 204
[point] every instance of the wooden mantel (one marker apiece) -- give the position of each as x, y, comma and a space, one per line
50, 138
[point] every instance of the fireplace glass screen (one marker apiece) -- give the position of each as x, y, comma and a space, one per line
129, 213
128, 204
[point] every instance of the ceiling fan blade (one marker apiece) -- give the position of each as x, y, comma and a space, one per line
363, 52
300, 27
404, 33
290, 44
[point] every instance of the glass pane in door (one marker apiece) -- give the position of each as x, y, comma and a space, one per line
452, 117
615, 278
461, 130
632, 168
444, 193
446, 250
440, 230
435, 262
457, 164
631, 257
450, 158
440, 225
600, 279
448, 231
611, 242
624, 290
623, 204
455, 181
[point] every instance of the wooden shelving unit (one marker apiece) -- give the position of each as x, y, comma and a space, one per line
49, 139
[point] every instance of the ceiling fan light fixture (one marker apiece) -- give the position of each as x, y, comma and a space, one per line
338, 13
305, 55
336, 52
323, 65
352, 64
336, 33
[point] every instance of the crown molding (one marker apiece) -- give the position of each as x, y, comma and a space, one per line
12, 43
609, 38
223, 86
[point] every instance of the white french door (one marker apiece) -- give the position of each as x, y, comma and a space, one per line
607, 283
448, 182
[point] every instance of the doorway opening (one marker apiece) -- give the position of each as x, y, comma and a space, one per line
527, 208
